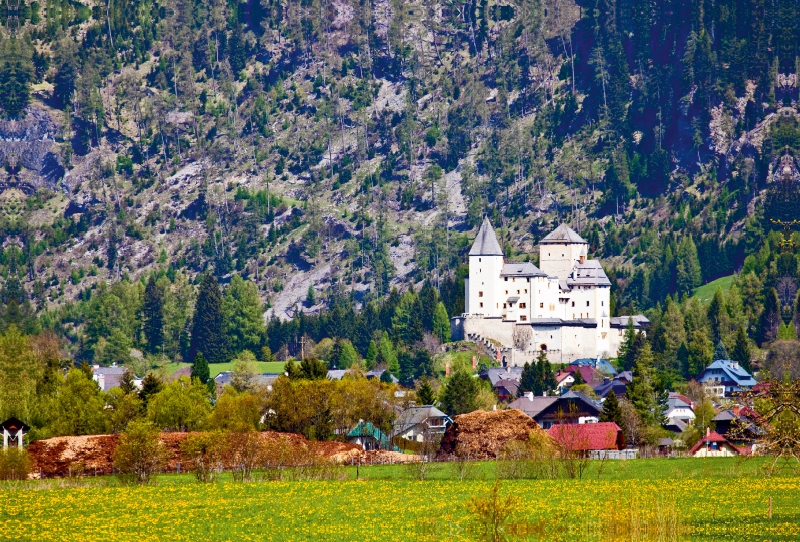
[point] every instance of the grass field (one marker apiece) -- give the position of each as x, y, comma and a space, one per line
686, 499
216, 368
705, 293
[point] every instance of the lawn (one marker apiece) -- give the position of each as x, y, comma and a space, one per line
688, 499
705, 293
216, 368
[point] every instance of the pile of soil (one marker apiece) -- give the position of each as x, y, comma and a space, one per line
483, 434
70, 456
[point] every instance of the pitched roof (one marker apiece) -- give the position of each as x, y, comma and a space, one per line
639, 321
486, 241
713, 436
619, 387
533, 407
512, 386
732, 370
521, 269
598, 363
561, 235
416, 415
13, 424
183, 371
588, 436
588, 273
367, 429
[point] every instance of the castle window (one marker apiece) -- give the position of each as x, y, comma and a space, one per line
513, 279
506, 279
541, 305
523, 318
587, 303
602, 303
506, 292
526, 290
479, 259
522, 305
603, 335
517, 292
573, 303
504, 305
552, 308
480, 294
481, 304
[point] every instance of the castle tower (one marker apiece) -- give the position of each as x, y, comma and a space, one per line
485, 266
560, 251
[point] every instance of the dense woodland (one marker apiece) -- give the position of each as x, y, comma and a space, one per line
219, 155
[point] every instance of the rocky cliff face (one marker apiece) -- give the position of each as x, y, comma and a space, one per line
28, 153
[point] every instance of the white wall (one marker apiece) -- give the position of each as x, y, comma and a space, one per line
484, 278
559, 259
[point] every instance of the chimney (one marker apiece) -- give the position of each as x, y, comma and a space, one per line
708, 431
529, 395
736, 411
447, 369
474, 362
582, 259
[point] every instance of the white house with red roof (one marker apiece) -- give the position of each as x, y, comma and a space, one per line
715, 445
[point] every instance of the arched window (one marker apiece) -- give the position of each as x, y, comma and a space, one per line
543, 347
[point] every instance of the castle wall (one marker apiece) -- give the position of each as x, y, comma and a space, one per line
558, 259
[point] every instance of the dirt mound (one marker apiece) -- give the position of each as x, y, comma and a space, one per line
483, 434
64, 456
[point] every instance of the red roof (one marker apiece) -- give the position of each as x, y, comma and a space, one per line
590, 375
588, 436
713, 436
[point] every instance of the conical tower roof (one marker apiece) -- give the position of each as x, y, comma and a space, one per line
486, 242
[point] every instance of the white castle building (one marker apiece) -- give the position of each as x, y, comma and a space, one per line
561, 307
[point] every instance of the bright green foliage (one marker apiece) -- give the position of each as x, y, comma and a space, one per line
78, 407
244, 315
313, 369
182, 405
641, 392
787, 332
208, 324
19, 373
372, 355
347, 355
386, 355
441, 323
140, 454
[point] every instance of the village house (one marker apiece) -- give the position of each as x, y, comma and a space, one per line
369, 437
570, 408
724, 377
715, 445
13, 432
421, 423
108, 377
561, 308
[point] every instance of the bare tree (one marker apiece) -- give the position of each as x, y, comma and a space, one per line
522, 337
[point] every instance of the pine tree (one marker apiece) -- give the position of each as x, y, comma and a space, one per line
716, 315
153, 313
720, 352
311, 296
208, 323
126, 384
741, 350
425, 395
151, 385
441, 323
611, 411
689, 274
372, 355
578, 378
460, 394
529, 380
641, 392
200, 369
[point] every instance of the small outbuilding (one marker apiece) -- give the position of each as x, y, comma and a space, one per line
13, 432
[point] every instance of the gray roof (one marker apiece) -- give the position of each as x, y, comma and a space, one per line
486, 241
336, 374
563, 235
416, 415
511, 385
532, 407
522, 269
588, 273
675, 425
496, 374
639, 320
113, 370
263, 379
725, 416
376, 373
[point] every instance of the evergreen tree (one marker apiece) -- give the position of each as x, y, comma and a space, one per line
425, 395
208, 323
151, 385
720, 352
372, 355
153, 317
641, 392
428, 302
200, 369
313, 369
386, 377
126, 383
529, 380
243, 315
16, 76
441, 323
770, 320
611, 411
460, 394
578, 378
716, 315
741, 350
311, 296
111, 250
406, 362
423, 363
386, 354
347, 355
689, 274
237, 54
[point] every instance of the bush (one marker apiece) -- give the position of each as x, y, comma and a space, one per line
15, 464
206, 452
140, 454
243, 453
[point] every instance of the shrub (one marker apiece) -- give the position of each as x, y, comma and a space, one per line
15, 464
139, 454
243, 453
206, 452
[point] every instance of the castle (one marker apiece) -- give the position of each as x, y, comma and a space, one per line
561, 307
